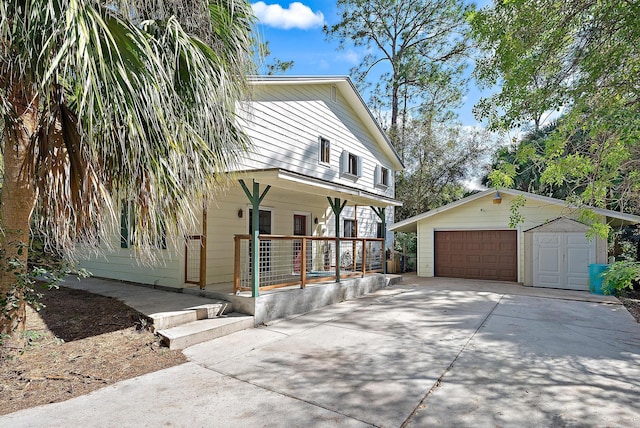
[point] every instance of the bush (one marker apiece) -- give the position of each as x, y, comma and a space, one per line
620, 275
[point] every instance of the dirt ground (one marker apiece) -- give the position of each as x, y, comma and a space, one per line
631, 300
82, 342
78, 343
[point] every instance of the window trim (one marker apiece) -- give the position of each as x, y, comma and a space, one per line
355, 227
346, 164
382, 173
321, 140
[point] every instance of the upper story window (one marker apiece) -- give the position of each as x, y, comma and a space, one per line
382, 176
351, 164
325, 151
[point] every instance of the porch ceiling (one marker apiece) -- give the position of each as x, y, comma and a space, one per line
284, 179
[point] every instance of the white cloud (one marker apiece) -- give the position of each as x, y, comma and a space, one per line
350, 57
297, 15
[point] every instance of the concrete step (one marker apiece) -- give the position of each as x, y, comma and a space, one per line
195, 332
393, 279
212, 310
165, 320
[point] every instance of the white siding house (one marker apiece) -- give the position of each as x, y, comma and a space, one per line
315, 143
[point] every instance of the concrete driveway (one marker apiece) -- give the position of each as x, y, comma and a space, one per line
427, 352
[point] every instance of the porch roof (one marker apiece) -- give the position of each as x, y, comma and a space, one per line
285, 179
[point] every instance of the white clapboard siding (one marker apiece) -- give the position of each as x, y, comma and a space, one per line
285, 123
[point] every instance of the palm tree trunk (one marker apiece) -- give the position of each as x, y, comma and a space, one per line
17, 199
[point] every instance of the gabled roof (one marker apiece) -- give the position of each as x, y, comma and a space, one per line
410, 224
563, 220
351, 94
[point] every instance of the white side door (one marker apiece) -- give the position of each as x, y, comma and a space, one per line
579, 254
547, 260
561, 260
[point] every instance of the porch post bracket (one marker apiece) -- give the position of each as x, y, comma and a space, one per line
255, 198
264, 193
380, 212
337, 206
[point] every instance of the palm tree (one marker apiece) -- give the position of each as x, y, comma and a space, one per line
109, 101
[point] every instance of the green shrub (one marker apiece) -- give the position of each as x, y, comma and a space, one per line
620, 275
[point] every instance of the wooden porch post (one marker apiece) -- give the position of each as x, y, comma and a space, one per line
337, 207
380, 211
255, 198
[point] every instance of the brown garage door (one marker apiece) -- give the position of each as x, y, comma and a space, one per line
477, 254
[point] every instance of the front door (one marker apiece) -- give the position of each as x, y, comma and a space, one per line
299, 229
264, 228
561, 260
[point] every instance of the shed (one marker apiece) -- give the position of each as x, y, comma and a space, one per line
471, 238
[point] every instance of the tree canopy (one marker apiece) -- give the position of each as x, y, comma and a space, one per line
579, 59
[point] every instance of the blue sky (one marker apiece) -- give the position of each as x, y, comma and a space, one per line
294, 32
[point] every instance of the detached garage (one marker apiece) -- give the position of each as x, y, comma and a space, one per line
471, 238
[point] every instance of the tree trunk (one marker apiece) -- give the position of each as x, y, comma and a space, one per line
17, 199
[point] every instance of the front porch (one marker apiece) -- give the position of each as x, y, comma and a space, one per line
297, 274
303, 234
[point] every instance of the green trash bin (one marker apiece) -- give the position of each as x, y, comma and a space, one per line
595, 277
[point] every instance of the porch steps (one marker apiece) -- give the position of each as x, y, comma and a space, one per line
165, 320
194, 332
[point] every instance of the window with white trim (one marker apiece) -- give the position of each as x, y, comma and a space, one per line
349, 228
382, 175
351, 164
325, 151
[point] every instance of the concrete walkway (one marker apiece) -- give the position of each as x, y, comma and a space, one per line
146, 300
427, 352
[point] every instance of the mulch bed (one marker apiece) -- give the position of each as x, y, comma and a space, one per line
78, 343
631, 300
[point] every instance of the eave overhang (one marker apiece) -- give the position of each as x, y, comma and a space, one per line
283, 179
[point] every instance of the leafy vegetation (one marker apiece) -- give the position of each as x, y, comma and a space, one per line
621, 275
104, 102
576, 60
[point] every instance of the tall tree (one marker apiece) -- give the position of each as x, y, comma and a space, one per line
104, 101
580, 58
420, 46
439, 159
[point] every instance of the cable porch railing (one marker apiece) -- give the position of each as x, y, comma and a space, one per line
285, 261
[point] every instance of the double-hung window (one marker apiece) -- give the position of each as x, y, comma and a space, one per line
382, 176
351, 164
325, 151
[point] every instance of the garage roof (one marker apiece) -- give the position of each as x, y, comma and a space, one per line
411, 224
